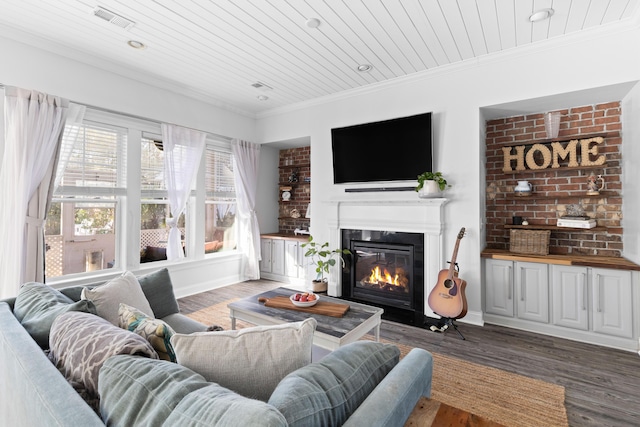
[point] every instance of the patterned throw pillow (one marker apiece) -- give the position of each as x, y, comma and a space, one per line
157, 332
81, 343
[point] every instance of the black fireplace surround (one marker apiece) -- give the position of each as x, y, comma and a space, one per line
386, 269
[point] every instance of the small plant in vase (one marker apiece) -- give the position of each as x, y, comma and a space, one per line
431, 184
323, 259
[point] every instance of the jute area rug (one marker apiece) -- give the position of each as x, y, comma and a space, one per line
473, 394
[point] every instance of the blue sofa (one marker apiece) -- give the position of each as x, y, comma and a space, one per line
34, 393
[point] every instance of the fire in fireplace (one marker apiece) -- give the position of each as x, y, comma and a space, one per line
386, 270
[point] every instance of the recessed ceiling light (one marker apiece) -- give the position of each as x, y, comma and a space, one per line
313, 22
262, 97
541, 15
136, 44
364, 68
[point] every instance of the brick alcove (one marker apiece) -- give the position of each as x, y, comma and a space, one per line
554, 190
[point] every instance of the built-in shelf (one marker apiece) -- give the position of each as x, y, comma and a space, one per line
555, 228
566, 196
294, 219
299, 165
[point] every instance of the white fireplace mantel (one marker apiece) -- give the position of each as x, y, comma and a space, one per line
400, 213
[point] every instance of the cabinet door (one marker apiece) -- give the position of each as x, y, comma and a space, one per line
532, 291
291, 258
277, 257
570, 297
265, 251
612, 304
499, 287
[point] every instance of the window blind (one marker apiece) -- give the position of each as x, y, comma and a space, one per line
219, 181
93, 161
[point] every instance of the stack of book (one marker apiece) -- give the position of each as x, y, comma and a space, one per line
576, 222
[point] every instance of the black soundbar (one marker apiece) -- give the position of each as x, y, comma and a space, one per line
375, 189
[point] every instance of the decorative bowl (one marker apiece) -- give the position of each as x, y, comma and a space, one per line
304, 303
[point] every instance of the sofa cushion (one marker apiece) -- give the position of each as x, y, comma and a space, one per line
81, 342
108, 297
140, 391
157, 332
249, 361
37, 305
329, 391
158, 289
217, 406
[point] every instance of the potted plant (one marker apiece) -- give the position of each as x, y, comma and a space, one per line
323, 259
430, 184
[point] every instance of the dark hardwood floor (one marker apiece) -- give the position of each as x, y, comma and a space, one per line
602, 384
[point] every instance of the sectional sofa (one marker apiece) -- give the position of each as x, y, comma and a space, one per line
363, 383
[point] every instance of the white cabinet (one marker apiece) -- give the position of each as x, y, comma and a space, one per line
292, 261
272, 251
589, 304
532, 291
525, 281
277, 257
570, 296
282, 260
265, 252
612, 302
499, 287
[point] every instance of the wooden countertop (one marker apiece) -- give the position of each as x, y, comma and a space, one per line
304, 238
579, 260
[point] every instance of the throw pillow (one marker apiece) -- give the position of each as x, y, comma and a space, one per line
108, 297
158, 289
157, 332
37, 305
250, 361
81, 343
328, 392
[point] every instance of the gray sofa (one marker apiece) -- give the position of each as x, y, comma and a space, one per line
34, 393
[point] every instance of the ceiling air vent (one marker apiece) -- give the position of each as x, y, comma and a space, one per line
261, 86
113, 18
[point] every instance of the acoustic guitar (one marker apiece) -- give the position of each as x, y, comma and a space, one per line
447, 298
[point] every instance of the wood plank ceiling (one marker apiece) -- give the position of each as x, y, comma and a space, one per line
218, 49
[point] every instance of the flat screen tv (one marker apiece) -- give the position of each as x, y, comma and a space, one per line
390, 150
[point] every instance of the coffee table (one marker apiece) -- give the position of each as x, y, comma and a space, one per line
331, 332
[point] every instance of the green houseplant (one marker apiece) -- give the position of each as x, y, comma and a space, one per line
430, 184
323, 259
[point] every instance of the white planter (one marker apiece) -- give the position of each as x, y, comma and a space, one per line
429, 189
318, 286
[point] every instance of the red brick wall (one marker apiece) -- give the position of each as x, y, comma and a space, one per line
555, 189
294, 159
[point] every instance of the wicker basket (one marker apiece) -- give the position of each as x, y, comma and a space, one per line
534, 242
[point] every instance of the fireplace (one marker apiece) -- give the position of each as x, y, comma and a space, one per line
389, 216
386, 269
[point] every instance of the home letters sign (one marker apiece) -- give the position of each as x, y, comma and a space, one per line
583, 152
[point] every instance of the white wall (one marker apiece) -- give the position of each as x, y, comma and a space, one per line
456, 94
267, 197
32, 68
631, 174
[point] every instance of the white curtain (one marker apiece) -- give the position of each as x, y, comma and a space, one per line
70, 136
33, 125
246, 158
183, 150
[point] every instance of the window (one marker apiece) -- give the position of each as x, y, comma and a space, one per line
80, 231
220, 203
154, 209
94, 207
